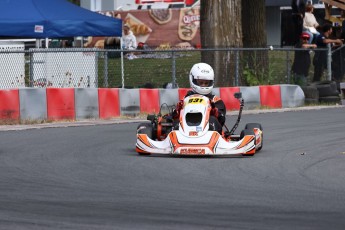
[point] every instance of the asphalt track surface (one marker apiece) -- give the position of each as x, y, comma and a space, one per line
90, 177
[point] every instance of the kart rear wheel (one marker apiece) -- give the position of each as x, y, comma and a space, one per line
251, 126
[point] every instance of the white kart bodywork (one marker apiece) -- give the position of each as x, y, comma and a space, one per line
194, 137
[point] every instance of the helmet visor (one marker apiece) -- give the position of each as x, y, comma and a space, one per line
203, 82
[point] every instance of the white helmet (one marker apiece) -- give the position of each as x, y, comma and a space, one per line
201, 71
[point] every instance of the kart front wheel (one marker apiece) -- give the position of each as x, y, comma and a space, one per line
145, 128
252, 126
244, 133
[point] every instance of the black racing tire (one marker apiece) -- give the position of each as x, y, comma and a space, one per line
251, 126
311, 101
332, 84
330, 99
326, 91
246, 132
326, 88
310, 92
145, 128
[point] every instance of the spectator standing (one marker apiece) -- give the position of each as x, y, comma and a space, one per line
302, 61
310, 24
338, 65
129, 41
320, 58
298, 12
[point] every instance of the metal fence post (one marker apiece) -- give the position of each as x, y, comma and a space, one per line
288, 67
97, 75
237, 67
122, 66
105, 84
31, 70
329, 62
173, 69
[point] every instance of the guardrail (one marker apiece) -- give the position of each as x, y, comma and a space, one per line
102, 103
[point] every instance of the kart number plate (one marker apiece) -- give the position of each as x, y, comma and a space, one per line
196, 101
192, 151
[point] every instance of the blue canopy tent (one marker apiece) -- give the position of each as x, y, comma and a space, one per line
53, 19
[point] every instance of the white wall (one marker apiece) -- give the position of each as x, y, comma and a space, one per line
103, 5
125, 4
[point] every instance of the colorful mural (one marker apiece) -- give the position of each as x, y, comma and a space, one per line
170, 28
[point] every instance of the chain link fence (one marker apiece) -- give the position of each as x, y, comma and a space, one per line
78, 67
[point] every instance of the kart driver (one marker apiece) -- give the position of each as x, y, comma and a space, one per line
201, 80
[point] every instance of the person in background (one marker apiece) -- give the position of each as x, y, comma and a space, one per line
310, 25
320, 57
298, 12
342, 18
129, 41
201, 80
338, 57
302, 61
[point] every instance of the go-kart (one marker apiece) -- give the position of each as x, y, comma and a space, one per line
191, 134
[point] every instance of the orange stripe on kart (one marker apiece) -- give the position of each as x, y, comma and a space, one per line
213, 140
173, 139
143, 139
250, 153
207, 118
246, 140
141, 151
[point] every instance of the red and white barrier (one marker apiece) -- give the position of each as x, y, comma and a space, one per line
86, 103
108, 103
149, 100
60, 104
270, 96
227, 95
9, 104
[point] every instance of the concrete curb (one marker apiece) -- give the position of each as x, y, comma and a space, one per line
142, 119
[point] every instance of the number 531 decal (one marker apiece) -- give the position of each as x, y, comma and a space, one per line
195, 100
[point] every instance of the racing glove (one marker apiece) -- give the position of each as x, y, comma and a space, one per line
176, 112
227, 134
214, 111
221, 119
179, 105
